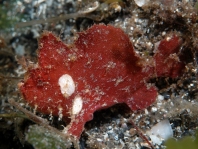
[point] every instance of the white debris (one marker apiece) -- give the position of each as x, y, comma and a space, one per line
67, 85
20, 50
160, 132
160, 97
141, 3
20, 71
77, 105
156, 45
35, 33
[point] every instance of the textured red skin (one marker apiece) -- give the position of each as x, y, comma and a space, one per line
167, 60
101, 56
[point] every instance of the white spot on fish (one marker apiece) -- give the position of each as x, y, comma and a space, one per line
77, 105
67, 85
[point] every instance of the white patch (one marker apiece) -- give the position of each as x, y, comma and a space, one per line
77, 105
67, 85
160, 97
160, 132
168, 38
141, 3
